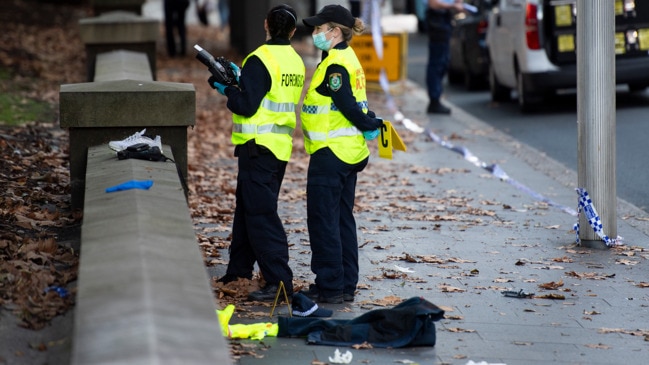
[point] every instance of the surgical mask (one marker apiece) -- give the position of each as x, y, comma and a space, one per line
320, 40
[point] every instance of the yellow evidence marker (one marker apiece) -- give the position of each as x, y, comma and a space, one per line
389, 140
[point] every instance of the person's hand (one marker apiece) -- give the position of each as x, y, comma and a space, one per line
216, 85
371, 135
236, 70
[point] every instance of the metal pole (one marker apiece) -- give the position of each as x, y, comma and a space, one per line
596, 114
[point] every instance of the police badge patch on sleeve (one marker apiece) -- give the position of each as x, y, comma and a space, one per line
335, 81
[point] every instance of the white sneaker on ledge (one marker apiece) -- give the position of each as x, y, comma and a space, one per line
137, 137
157, 142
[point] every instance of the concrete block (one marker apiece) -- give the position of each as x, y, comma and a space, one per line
98, 112
117, 30
102, 6
126, 103
118, 27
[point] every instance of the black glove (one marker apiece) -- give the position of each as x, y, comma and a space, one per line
379, 122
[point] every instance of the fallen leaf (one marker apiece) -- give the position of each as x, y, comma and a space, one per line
551, 296
459, 330
598, 346
450, 289
551, 285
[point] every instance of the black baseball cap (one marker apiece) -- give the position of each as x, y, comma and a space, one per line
331, 13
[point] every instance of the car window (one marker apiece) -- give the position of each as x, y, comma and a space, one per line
505, 4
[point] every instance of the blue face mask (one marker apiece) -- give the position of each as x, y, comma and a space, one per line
320, 40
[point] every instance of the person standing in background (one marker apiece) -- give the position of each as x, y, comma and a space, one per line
175, 11
224, 13
355, 8
438, 25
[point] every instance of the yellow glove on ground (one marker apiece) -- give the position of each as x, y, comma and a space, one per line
255, 331
224, 316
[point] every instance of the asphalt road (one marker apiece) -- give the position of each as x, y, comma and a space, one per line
553, 131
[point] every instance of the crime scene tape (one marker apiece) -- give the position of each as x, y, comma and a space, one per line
585, 203
496, 171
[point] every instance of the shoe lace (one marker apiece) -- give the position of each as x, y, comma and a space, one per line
134, 137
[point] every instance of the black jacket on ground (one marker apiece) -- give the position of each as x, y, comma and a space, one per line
410, 323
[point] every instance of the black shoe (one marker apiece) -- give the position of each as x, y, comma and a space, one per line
267, 293
437, 108
334, 299
228, 278
348, 297
314, 294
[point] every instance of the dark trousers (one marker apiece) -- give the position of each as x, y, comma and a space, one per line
438, 58
257, 231
331, 189
174, 11
355, 8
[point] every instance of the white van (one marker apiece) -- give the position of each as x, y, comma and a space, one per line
532, 48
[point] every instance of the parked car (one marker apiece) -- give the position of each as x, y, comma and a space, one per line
532, 48
469, 56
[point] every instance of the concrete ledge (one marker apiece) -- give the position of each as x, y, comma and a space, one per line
122, 65
143, 292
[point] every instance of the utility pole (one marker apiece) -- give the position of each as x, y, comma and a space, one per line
596, 114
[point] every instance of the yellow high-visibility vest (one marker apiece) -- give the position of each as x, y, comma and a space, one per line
323, 124
273, 124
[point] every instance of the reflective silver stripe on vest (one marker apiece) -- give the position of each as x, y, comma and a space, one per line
262, 129
342, 132
315, 136
277, 107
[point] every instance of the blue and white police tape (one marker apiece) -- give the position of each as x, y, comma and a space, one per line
496, 171
586, 205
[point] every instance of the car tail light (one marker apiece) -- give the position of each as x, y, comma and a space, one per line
482, 27
532, 27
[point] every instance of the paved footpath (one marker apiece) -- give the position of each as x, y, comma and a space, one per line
434, 224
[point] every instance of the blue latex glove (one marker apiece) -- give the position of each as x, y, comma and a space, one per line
133, 184
236, 69
216, 85
371, 135
220, 87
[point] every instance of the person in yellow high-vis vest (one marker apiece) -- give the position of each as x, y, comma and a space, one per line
264, 115
336, 123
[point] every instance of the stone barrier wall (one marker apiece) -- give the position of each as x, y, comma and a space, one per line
143, 294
